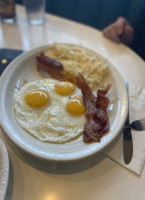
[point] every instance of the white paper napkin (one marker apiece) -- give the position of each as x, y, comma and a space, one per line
136, 111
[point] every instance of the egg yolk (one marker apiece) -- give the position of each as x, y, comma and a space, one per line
65, 88
37, 98
75, 106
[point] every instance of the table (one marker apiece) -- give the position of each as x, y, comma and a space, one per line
102, 180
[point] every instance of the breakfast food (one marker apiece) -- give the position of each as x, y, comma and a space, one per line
77, 59
51, 66
63, 106
96, 111
50, 110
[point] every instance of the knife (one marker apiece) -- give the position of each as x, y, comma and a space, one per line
6, 56
127, 139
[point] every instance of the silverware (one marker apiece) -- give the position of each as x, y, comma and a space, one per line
127, 139
138, 125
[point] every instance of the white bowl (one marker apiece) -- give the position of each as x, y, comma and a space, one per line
24, 68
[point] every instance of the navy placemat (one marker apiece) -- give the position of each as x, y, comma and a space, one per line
6, 56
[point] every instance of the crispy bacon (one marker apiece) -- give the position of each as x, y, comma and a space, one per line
96, 111
49, 65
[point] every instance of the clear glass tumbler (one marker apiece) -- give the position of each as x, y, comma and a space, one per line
35, 10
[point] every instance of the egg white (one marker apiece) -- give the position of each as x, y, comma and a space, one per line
52, 122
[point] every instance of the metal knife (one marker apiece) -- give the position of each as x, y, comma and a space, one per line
127, 139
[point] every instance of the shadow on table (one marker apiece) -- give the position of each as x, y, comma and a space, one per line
57, 167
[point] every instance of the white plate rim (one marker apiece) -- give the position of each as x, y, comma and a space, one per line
4, 79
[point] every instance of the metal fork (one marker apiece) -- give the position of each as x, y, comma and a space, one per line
138, 125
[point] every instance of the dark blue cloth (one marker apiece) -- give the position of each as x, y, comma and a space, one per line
138, 44
7, 55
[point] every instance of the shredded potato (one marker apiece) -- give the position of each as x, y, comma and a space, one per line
79, 59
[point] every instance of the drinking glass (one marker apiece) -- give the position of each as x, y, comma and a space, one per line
7, 11
35, 10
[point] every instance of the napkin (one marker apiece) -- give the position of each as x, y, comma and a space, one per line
136, 111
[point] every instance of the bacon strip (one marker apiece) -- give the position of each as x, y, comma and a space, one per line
49, 65
96, 111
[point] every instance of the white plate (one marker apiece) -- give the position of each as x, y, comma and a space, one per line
4, 170
24, 68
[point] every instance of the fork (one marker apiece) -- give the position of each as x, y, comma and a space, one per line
138, 125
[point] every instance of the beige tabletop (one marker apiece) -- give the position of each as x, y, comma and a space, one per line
103, 180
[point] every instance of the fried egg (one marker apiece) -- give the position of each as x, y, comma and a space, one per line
50, 110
